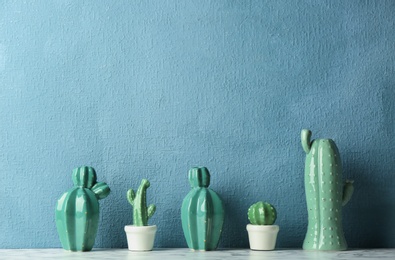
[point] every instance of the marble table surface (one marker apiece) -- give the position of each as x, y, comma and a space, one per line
185, 254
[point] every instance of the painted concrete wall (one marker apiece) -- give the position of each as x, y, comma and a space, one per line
148, 89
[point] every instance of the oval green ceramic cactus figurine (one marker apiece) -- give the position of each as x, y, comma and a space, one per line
141, 213
202, 212
77, 210
262, 213
325, 194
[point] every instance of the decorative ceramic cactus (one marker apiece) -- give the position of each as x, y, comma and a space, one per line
262, 213
202, 212
77, 210
141, 213
325, 194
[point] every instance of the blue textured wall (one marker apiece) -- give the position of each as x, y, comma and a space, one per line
151, 88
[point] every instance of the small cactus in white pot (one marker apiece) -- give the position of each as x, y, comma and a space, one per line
140, 235
262, 233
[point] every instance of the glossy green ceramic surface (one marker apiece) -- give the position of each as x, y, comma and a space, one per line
325, 194
77, 210
202, 212
262, 213
138, 200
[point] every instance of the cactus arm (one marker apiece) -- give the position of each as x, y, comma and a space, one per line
101, 190
151, 210
348, 190
305, 136
131, 196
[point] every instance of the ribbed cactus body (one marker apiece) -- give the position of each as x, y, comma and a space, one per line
324, 194
262, 213
202, 212
77, 211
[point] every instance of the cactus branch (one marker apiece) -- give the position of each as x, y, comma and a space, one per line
305, 138
131, 196
151, 210
101, 190
348, 190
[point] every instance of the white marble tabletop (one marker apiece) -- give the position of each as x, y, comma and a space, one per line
185, 254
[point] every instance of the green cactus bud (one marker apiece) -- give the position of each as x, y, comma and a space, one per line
101, 190
262, 213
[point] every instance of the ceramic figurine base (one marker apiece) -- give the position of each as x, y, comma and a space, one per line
262, 237
140, 238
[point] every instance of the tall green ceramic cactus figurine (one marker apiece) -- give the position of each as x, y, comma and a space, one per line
77, 210
141, 213
202, 212
325, 194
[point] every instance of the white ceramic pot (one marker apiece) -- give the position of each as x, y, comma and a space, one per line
262, 237
140, 238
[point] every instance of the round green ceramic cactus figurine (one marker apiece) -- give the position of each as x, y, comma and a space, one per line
202, 212
262, 213
262, 234
77, 210
325, 194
